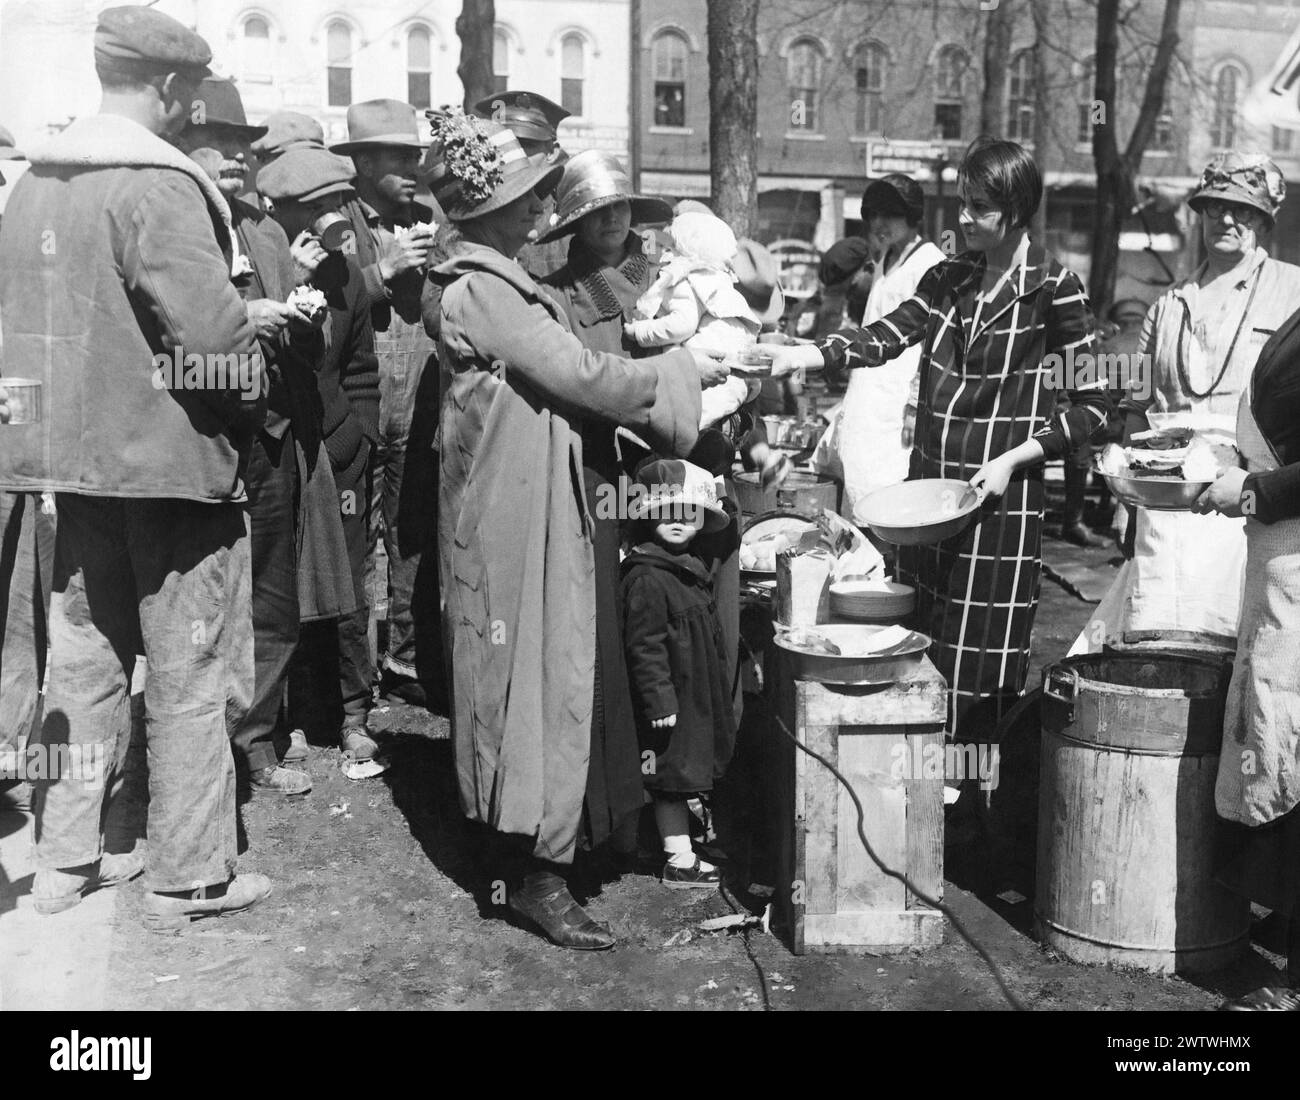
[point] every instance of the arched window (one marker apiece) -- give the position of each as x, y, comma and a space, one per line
419, 67
804, 78
1020, 97
1228, 85
950, 92
668, 54
338, 37
573, 65
869, 61
255, 62
1087, 93
500, 60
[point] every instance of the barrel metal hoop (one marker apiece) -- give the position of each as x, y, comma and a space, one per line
1123, 946
1132, 750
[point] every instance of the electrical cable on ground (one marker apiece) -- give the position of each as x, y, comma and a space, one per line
934, 903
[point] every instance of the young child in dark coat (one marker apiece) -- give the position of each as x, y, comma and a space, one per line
677, 659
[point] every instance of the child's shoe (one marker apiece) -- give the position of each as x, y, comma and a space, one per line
693, 877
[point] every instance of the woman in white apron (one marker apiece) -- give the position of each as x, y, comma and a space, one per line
871, 436
1202, 338
1258, 789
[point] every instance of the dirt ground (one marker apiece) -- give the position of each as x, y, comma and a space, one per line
378, 903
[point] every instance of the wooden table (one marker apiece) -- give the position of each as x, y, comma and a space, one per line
833, 897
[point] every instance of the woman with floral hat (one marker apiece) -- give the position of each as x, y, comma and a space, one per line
1198, 347
514, 524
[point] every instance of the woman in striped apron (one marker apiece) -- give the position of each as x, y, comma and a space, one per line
1004, 329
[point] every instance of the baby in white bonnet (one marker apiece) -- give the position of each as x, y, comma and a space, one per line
695, 303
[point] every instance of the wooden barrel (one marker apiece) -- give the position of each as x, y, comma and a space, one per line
1126, 819
805, 494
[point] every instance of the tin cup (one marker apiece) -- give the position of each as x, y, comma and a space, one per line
24, 400
333, 229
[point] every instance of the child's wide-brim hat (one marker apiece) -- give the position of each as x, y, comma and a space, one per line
591, 180
487, 169
674, 490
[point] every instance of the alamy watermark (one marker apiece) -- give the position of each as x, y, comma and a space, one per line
60, 761
237, 372
1129, 372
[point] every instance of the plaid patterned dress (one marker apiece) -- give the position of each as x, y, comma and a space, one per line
985, 389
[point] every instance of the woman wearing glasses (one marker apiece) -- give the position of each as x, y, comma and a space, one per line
1199, 344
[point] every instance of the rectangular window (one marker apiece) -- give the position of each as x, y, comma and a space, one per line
947, 121
417, 91
571, 95
670, 104
1162, 138
867, 118
340, 87
1283, 140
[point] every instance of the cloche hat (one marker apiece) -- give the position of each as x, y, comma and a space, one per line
593, 179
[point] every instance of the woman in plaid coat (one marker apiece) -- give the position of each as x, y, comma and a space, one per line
1003, 329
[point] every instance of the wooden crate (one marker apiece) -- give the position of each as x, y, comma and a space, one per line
832, 897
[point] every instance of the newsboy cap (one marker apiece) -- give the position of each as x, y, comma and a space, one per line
137, 40
303, 174
287, 130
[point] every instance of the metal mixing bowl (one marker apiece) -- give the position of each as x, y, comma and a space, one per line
1158, 494
917, 513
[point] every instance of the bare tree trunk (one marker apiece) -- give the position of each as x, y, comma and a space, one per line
733, 112
997, 60
1042, 106
1117, 170
475, 26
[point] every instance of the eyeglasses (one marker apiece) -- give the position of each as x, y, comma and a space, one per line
1244, 215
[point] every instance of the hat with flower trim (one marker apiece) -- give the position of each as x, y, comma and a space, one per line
1249, 179
475, 166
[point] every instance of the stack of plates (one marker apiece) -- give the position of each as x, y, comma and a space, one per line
865, 600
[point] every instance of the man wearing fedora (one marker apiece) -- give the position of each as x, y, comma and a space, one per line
394, 244
333, 659
133, 245
299, 557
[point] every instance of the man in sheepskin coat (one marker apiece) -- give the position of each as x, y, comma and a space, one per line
116, 294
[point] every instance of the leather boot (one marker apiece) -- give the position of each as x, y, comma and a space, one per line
1073, 529
544, 901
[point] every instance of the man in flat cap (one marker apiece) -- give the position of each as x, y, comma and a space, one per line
298, 553
115, 293
333, 660
287, 130
385, 146
535, 121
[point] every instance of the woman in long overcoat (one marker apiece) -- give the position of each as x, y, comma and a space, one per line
607, 271
514, 525
998, 326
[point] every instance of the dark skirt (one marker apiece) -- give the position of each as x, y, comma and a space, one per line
1262, 862
614, 788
